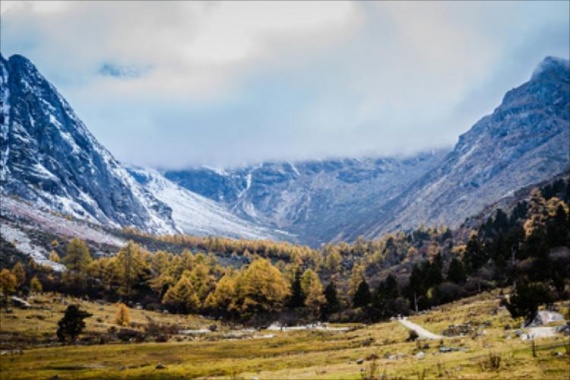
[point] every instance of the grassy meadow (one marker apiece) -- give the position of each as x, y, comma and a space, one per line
378, 351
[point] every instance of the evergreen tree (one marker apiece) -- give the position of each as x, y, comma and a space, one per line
526, 299
332, 303
416, 289
456, 272
297, 297
362, 296
72, 324
475, 256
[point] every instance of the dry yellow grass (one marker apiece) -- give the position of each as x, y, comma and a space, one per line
294, 355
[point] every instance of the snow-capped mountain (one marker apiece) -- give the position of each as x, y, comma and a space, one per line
312, 200
194, 214
525, 140
49, 158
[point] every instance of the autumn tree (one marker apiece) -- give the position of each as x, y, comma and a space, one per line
313, 289
333, 261
182, 297
77, 261
20, 273
122, 317
356, 277
131, 266
222, 299
261, 289
36, 285
7, 284
53, 256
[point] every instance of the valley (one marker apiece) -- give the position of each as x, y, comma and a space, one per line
370, 351
439, 259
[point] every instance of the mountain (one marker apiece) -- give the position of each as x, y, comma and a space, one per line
195, 214
526, 140
50, 160
48, 157
312, 200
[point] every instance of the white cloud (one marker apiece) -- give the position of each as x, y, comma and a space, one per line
246, 81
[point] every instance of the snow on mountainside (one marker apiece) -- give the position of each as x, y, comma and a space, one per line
312, 200
525, 141
50, 159
194, 214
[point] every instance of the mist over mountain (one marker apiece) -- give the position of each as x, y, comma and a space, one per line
50, 159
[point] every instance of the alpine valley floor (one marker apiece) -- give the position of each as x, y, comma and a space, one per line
377, 351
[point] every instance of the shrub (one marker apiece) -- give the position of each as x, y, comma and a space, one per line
412, 336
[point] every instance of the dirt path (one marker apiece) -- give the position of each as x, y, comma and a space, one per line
422, 333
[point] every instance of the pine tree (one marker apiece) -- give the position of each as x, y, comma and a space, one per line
72, 324
362, 296
298, 296
475, 256
456, 272
332, 303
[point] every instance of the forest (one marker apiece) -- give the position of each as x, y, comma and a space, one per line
257, 282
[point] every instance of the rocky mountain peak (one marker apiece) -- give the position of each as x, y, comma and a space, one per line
553, 68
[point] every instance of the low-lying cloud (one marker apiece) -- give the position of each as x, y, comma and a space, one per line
173, 84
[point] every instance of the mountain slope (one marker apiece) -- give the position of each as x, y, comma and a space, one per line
525, 141
49, 157
194, 214
313, 200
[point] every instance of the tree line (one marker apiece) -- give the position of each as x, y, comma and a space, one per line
366, 280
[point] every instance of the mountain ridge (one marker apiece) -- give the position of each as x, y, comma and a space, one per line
49, 157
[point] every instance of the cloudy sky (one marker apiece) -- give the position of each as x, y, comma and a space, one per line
173, 84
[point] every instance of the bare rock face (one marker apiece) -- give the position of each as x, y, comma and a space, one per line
312, 200
50, 159
525, 141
